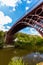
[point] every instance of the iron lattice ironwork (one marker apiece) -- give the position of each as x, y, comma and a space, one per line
33, 19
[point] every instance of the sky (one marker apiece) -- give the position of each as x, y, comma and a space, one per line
13, 10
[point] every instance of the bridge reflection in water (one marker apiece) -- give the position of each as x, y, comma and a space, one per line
33, 19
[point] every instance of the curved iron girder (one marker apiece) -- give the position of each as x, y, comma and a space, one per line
19, 26
32, 19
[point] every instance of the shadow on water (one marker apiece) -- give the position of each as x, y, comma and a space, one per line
28, 56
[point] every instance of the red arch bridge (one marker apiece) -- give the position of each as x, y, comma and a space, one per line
33, 19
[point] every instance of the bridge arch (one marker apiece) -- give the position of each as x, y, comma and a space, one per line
33, 19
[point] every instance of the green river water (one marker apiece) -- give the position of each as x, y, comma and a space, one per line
8, 53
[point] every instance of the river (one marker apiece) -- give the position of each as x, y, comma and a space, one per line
28, 56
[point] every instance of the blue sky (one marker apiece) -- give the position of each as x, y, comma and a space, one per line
13, 10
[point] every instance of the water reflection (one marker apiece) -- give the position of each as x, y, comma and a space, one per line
33, 58
28, 57
35, 55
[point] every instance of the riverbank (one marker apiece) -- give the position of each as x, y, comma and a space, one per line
24, 47
23, 41
8, 46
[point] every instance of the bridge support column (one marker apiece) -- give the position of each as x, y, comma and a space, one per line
8, 39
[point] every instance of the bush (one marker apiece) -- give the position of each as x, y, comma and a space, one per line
30, 41
1, 43
16, 62
1, 39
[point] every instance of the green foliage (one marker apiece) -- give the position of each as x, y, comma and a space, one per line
24, 41
28, 41
1, 38
17, 62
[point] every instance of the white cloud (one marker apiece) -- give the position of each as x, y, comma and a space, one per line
4, 20
28, 1
27, 8
2, 28
33, 31
8, 27
13, 9
10, 3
